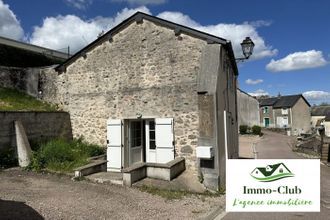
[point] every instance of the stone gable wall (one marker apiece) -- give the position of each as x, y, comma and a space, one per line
145, 69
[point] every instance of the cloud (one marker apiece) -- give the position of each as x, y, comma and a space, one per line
233, 32
253, 82
259, 92
9, 25
316, 95
142, 2
63, 31
79, 4
297, 61
76, 32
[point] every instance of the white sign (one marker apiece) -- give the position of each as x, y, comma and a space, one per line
273, 185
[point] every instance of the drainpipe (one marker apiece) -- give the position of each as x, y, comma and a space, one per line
225, 129
291, 117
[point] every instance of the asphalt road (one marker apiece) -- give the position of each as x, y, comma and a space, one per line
274, 146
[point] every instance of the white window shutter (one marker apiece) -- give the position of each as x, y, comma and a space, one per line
114, 145
164, 140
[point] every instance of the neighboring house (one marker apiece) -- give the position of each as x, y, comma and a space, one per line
292, 112
326, 125
160, 90
318, 114
247, 109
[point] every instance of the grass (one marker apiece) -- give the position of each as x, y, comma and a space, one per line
13, 100
8, 158
63, 156
170, 194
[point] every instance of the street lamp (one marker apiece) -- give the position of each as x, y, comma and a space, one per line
247, 48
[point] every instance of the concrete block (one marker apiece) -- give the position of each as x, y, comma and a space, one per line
159, 173
23, 146
95, 167
134, 174
211, 181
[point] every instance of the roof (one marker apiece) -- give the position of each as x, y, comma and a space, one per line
327, 117
282, 101
24, 50
267, 101
138, 17
320, 110
238, 89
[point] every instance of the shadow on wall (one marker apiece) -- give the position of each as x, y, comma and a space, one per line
17, 210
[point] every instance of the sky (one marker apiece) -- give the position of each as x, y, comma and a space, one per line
291, 54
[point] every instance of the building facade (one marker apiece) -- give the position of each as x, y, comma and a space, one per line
158, 90
248, 109
290, 112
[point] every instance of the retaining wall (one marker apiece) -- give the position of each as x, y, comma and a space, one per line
37, 125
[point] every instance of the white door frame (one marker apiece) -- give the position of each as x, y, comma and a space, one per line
137, 149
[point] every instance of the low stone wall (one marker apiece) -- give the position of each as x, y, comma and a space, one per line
37, 125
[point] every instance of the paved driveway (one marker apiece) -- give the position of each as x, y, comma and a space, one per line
274, 145
29, 195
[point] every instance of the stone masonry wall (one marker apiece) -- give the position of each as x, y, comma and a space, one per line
145, 69
23, 79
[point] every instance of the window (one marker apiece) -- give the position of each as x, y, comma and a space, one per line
284, 111
152, 137
281, 170
136, 133
266, 109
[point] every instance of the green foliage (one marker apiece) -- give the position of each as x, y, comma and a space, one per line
243, 129
256, 130
8, 158
13, 100
64, 156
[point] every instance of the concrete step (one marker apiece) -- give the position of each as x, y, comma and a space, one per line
106, 177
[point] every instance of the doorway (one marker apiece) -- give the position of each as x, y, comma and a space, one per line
132, 141
266, 122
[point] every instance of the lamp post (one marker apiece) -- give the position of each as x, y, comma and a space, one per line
247, 48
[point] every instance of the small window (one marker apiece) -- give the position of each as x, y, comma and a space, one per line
284, 111
281, 170
266, 109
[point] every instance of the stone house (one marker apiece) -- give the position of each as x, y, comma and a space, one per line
318, 114
247, 109
291, 112
151, 91
326, 125
321, 116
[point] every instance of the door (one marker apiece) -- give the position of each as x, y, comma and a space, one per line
164, 140
151, 142
285, 121
135, 141
266, 122
114, 145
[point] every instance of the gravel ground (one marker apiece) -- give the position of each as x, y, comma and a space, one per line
29, 195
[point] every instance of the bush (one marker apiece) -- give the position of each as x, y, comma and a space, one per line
243, 129
256, 130
8, 158
62, 155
